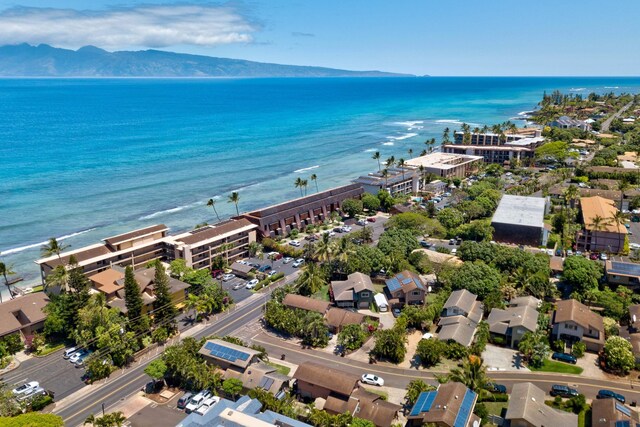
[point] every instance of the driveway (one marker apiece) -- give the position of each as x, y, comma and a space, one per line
502, 359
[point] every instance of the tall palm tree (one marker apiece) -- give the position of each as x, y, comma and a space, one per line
598, 223
311, 280
618, 219
376, 156
401, 164
571, 194
423, 153
445, 136
422, 169
513, 129
234, 198
344, 250
304, 184
212, 204
410, 151
298, 184
191, 303
385, 175
485, 129
391, 161
324, 248
91, 419
53, 247
5, 270
472, 374
314, 178
226, 247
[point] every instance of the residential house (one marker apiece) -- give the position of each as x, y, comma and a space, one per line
622, 273
305, 303
566, 122
24, 315
632, 331
460, 316
573, 321
357, 291
451, 405
556, 265
611, 413
335, 318
341, 393
111, 283
244, 364
405, 288
605, 236
527, 408
513, 322
245, 412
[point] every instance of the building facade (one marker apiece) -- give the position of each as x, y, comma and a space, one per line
497, 148
600, 232
520, 220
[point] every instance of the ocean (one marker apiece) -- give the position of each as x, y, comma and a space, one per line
84, 159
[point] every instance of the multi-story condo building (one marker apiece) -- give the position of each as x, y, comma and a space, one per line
398, 181
600, 232
497, 148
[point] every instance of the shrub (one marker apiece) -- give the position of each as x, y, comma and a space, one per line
41, 402
455, 351
493, 397
579, 349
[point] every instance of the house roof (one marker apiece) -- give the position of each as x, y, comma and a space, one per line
305, 303
451, 405
405, 280
241, 268
527, 403
22, 311
373, 408
215, 231
227, 352
355, 283
338, 317
574, 311
259, 375
520, 210
457, 328
556, 263
500, 320
135, 234
105, 281
338, 381
604, 208
462, 299
609, 412
525, 300
620, 268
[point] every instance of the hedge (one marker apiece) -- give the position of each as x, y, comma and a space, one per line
494, 397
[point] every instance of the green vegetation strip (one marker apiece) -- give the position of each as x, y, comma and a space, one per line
48, 349
553, 366
281, 369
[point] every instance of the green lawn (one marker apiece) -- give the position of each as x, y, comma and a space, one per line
322, 294
281, 369
560, 367
383, 394
49, 348
496, 408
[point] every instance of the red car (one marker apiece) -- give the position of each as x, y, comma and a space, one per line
594, 256
216, 273
371, 219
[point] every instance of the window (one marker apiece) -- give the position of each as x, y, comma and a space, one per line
415, 293
364, 294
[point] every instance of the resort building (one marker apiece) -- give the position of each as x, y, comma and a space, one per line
23, 315
566, 122
490, 138
446, 166
497, 148
513, 322
229, 239
135, 248
110, 282
297, 213
451, 405
527, 408
398, 181
573, 321
520, 220
622, 273
600, 233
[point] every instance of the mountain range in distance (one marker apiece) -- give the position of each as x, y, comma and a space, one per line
25, 60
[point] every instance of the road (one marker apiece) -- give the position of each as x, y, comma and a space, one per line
607, 123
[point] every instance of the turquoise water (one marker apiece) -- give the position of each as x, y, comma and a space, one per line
93, 158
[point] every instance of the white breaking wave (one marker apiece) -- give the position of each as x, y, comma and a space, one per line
306, 169
525, 113
169, 211
37, 245
612, 87
400, 138
387, 143
577, 89
370, 150
450, 121
409, 123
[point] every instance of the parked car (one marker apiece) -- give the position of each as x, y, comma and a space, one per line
452, 241
558, 252
563, 357
297, 263
347, 229
569, 252
338, 230
608, 394
264, 268
371, 219
372, 380
153, 387
26, 388
196, 401
287, 260
38, 391
563, 391
271, 273
496, 388
275, 255
362, 222
207, 405
251, 283
593, 256
396, 312
237, 286
216, 273
228, 277
69, 352
425, 244
80, 362
454, 251
182, 402
77, 355
294, 243
603, 256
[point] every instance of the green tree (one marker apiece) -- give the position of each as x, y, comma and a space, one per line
472, 374
361, 422
32, 419
157, 369
5, 271
315, 333
376, 156
618, 355
430, 351
398, 241
390, 345
53, 247
299, 183
414, 389
351, 337
164, 312
312, 279
133, 300
578, 349
352, 207
450, 218
534, 346
555, 151
370, 202
212, 204
232, 387
235, 199
582, 274
478, 278
314, 178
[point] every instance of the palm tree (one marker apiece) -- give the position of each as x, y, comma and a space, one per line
423, 153
598, 223
618, 219
91, 419
324, 249
421, 168
305, 183
571, 194
212, 204
410, 151
298, 184
226, 247
391, 161
191, 303
5, 270
53, 248
513, 129
401, 164
311, 280
58, 277
445, 136
344, 250
385, 175
376, 156
234, 198
314, 178
472, 374
485, 129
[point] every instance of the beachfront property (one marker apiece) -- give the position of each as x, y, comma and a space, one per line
566, 122
135, 248
280, 219
201, 246
23, 315
446, 166
520, 220
497, 148
399, 181
599, 232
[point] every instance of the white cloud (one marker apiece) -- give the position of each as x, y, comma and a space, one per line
141, 26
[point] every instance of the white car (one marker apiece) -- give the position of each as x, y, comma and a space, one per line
38, 391
69, 352
362, 222
228, 277
271, 273
77, 356
287, 260
196, 401
26, 388
346, 229
454, 251
634, 245
298, 263
243, 262
294, 243
238, 286
207, 405
251, 283
603, 256
372, 379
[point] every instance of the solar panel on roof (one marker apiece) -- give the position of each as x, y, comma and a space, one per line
465, 409
393, 284
268, 382
623, 409
417, 408
431, 396
226, 353
208, 346
625, 268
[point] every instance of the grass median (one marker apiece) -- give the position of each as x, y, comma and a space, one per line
559, 367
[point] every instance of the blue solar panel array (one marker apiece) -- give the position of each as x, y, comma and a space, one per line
225, 353
465, 409
625, 268
424, 402
400, 280
393, 284
620, 407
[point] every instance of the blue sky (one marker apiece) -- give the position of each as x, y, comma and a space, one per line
436, 37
